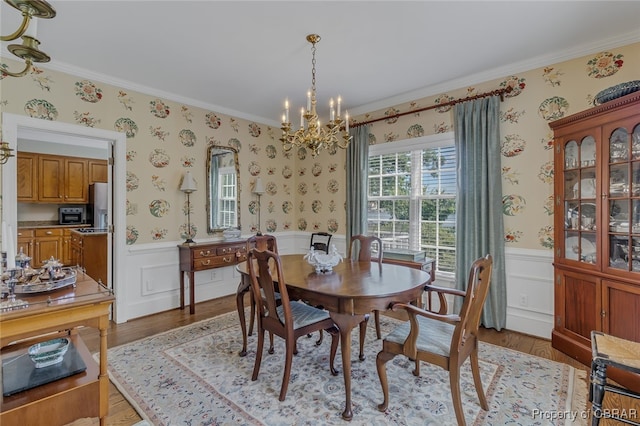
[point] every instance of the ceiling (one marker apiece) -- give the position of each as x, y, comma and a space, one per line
245, 57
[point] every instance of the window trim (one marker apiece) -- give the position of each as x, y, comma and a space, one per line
430, 141
437, 140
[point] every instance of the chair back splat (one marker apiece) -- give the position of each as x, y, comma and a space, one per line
320, 241
365, 246
445, 340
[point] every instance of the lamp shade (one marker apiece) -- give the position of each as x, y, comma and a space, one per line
188, 183
258, 188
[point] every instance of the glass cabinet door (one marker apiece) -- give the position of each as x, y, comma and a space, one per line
580, 200
623, 206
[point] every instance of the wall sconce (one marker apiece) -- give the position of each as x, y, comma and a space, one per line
258, 189
188, 186
5, 152
28, 50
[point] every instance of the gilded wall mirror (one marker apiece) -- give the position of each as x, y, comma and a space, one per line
223, 181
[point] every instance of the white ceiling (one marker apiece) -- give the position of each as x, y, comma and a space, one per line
245, 57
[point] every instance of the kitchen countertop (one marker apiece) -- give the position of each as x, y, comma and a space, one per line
48, 224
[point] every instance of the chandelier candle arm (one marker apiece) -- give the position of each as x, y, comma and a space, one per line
313, 135
28, 50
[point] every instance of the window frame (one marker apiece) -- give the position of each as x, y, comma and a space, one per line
438, 140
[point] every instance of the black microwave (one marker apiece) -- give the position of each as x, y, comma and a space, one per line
71, 215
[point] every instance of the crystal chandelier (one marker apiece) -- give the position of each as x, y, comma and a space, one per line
311, 134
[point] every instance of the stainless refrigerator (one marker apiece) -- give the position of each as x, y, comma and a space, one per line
97, 210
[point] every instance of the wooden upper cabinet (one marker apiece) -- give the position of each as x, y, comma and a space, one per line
98, 171
46, 178
27, 177
50, 179
76, 180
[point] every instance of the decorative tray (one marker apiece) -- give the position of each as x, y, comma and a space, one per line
617, 91
42, 283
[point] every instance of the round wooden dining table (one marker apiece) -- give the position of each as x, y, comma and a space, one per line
352, 290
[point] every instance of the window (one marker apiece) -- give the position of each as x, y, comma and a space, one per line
412, 197
227, 200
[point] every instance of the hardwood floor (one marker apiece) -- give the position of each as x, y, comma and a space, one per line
121, 413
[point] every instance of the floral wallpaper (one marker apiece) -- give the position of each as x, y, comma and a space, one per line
165, 138
537, 97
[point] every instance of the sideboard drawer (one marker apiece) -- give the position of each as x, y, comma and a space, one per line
221, 251
204, 263
204, 252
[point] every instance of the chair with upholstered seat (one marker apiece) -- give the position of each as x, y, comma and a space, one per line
364, 246
440, 339
611, 351
320, 241
262, 242
285, 318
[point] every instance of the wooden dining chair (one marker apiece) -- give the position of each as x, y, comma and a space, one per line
364, 246
440, 339
283, 317
320, 241
261, 242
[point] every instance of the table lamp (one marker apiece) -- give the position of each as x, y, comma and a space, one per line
258, 189
188, 186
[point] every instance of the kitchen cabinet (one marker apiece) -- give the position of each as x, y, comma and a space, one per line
597, 227
50, 179
66, 247
48, 244
43, 242
89, 251
26, 241
27, 177
98, 171
76, 249
46, 178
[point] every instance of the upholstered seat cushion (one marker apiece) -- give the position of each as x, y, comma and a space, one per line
435, 336
303, 314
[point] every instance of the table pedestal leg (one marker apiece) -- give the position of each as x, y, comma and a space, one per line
346, 323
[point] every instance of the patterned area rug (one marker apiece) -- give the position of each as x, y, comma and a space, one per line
194, 376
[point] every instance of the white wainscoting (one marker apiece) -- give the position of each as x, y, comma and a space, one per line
153, 282
530, 291
153, 276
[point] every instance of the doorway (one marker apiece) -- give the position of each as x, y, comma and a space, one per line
17, 127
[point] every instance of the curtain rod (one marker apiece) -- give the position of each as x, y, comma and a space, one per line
499, 92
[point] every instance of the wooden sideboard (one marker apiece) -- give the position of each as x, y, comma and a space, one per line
202, 256
55, 314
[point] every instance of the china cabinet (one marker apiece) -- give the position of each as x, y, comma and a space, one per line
597, 226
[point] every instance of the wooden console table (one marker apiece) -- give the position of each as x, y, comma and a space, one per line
203, 256
51, 315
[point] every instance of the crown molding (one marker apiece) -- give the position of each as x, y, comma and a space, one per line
501, 72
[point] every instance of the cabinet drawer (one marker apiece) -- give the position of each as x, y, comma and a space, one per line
213, 262
204, 252
49, 232
231, 249
26, 233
